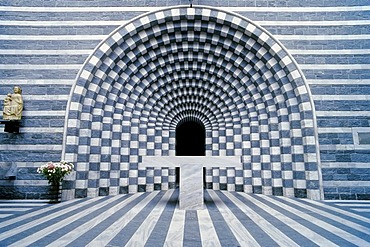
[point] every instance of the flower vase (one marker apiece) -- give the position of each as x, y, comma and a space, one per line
55, 194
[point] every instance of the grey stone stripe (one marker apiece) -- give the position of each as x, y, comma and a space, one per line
320, 223
101, 37
331, 216
106, 236
242, 235
146, 9
37, 221
143, 232
52, 37
87, 52
119, 23
61, 224
323, 37
310, 234
288, 221
278, 236
78, 66
85, 227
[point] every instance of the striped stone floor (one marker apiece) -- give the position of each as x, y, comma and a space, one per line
153, 219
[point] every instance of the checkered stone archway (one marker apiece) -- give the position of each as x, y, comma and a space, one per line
191, 64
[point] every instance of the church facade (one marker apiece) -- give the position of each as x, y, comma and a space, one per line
281, 88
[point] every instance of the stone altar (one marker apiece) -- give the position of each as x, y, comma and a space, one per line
191, 174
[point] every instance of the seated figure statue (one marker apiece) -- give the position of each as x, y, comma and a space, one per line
13, 105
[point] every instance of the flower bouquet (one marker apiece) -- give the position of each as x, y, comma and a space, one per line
55, 173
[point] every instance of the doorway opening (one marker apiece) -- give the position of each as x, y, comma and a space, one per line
190, 141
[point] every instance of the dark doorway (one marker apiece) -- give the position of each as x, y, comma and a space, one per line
190, 139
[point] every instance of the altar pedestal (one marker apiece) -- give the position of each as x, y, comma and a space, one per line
191, 187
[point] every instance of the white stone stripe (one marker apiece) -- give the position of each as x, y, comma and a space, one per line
346, 183
37, 130
331, 52
40, 66
87, 226
61, 23
52, 37
106, 236
208, 234
311, 235
41, 130
344, 165
20, 204
62, 223
146, 9
341, 97
101, 37
334, 66
14, 209
362, 210
40, 147
43, 113
87, 52
353, 205
36, 213
45, 52
78, 66
323, 37
34, 82
45, 97
343, 113
336, 147
37, 221
323, 130
242, 235
2, 216
25, 182
320, 223
331, 216
143, 232
175, 234
338, 210
119, 23
278, 236
314, 23
338, 82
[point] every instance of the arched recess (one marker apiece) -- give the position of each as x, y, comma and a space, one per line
179, 62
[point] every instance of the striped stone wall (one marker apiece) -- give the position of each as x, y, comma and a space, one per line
43, 44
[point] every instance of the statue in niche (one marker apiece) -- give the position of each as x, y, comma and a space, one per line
13, 105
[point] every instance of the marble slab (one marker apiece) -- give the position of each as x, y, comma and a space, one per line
191, 187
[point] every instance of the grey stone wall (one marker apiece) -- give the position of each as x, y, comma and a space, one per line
42, 51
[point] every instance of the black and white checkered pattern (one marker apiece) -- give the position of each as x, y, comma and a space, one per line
199, 63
